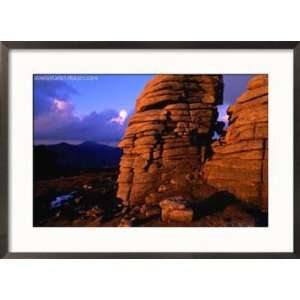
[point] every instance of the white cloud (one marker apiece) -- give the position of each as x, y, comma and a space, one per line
225, 118
121, 118
61, 106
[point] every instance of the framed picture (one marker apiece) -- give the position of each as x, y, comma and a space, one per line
150, 150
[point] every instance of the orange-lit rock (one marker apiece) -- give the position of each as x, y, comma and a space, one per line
168, 137
175, 210
239, 163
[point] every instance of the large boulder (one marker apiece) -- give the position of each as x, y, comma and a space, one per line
239, 163
168, 138
175, 209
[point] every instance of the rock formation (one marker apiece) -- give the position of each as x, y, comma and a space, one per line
239, 163
168, 138
176, 210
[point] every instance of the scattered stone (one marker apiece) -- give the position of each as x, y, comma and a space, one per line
150, 210
175, 209
125, 223
182, 216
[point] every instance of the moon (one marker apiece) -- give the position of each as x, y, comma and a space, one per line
123, 115
121, 118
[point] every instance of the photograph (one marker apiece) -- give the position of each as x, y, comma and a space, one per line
139, 147
150, 150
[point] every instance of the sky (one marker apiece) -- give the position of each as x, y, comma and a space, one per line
91, 107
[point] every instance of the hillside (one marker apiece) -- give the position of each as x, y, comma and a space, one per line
63, 159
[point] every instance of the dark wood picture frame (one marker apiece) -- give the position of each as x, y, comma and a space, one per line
5, 47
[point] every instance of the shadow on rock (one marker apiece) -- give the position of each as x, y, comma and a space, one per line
215, 203
229, 209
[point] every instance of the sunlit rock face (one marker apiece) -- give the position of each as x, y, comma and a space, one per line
239, 163
168, 138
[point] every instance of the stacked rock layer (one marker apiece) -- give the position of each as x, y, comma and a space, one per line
168, 138
239, 163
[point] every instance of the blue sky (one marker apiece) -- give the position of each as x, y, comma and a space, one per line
76, 108
108, 91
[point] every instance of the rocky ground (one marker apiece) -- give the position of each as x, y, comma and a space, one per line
93, 200
95, 205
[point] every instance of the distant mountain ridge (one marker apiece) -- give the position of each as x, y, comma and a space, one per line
63, 158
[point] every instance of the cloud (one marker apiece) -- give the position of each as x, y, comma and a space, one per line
60, 123
121, 117
223, 116
61, 105
55, 118
46, 90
